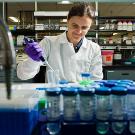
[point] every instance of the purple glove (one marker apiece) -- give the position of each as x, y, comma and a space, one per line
33, 50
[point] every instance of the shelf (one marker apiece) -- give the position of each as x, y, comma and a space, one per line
114, 47
108, 33
118, 31
115, 17
51, 14
57, 31
23, 32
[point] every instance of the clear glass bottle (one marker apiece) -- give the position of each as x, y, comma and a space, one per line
102, 109
86, 103
131, 108
117, 56
103, 103
85, 79
53, 110
70, 103
53, 103
118, 102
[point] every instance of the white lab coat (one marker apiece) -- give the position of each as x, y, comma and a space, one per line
61, 55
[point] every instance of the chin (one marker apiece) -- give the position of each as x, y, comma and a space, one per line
77, 39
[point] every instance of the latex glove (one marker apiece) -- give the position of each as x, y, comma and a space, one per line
33, 50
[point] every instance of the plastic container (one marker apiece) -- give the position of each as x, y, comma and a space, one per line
129, 26
107, 57
119, 25
18, 116
53, 77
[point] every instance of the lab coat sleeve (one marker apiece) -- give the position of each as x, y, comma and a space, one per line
28, 69
96, 65
46, 46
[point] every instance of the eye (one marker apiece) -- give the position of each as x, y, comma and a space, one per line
74, 26
85, 27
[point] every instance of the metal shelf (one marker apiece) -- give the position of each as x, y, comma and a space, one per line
115, 17
23, 32
114, 47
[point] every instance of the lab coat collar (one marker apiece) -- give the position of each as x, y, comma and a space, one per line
63, 40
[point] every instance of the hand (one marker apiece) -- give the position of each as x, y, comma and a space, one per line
33, 50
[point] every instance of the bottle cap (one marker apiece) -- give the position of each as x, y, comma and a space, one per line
119, 90
103, 91
131, 90
53, 91
69, 91
63, 82
110, 84
85, 74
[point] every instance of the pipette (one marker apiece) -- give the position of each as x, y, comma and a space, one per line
46, 62
27, 40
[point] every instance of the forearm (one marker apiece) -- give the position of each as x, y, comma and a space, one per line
28, 69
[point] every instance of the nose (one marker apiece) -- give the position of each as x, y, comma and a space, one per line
79, 30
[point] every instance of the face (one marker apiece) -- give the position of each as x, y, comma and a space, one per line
78, 28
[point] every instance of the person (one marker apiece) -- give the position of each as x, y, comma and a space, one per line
70, 52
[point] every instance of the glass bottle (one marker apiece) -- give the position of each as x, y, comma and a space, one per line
53, 110
85, 79
118, 102
70, 103
102, 109
117, 56
131, 108
86, 103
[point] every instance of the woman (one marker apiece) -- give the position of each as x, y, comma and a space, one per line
70, 52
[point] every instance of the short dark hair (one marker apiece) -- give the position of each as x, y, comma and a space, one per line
81, 9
